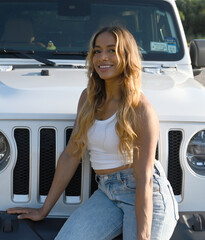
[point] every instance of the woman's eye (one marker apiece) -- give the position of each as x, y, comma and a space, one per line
112, 50
96, 51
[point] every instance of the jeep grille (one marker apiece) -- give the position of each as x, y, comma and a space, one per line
48, 162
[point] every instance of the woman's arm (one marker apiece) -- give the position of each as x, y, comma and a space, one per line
144, 158
66, 167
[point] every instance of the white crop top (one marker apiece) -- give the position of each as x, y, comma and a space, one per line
103, 143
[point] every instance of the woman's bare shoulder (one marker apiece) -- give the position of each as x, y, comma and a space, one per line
84, 94
82, 98
145, 111
144, 105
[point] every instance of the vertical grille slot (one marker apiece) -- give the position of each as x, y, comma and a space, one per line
74, 187
157, 152
47, 159
174, 168
21, 170
94, 185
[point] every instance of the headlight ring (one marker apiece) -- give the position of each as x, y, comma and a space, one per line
196, 153
4, 151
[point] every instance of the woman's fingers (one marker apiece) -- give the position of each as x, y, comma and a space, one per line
17, 210
26, 216
26, 213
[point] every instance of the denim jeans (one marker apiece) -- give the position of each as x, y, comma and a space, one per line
111, 209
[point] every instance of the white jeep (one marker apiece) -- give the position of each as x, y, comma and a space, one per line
43, 46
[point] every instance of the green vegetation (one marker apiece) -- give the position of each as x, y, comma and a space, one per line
192, 14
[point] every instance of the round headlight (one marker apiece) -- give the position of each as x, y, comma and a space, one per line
196, 153
4, 151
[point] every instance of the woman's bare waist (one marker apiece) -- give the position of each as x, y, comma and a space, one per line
113, 170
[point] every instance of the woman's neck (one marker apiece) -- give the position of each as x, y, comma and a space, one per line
113, 91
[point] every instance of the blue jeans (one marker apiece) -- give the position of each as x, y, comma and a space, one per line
111, 209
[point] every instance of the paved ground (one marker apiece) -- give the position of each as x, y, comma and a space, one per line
201, 77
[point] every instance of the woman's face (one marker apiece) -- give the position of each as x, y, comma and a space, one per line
105, 60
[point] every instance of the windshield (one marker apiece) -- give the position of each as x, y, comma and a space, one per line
61, 29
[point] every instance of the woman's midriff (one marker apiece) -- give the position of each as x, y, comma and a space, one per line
113, 170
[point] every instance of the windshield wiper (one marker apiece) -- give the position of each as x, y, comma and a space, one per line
80, 53
28, 55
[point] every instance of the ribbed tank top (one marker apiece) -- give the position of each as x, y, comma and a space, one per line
103, 143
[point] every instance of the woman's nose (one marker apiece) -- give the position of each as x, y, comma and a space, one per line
103, 56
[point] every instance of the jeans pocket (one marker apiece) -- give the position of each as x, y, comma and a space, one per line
175, 204
129, 182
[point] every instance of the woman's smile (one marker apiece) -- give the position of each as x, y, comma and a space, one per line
104, 67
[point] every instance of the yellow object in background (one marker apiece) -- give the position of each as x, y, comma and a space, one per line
51, 46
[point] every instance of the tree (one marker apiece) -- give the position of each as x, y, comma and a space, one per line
192, 13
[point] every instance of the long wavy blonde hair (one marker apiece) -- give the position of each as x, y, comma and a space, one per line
129, 61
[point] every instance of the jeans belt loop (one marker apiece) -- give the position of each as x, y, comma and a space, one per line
118, 176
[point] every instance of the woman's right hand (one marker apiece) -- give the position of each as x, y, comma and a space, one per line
35, 214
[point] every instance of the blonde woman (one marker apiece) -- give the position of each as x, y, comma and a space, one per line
120, 128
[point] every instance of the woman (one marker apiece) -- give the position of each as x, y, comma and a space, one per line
120, 128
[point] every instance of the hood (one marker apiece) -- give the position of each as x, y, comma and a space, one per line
26, 94
175, 97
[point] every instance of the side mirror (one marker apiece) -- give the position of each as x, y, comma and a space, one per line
197, 53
